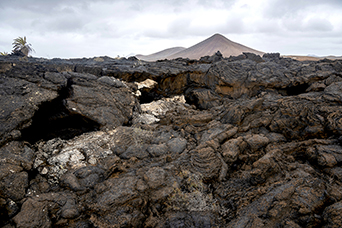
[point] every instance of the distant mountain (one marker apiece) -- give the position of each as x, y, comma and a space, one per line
333, 57
164, 54
313, 55
213, 44
209, 47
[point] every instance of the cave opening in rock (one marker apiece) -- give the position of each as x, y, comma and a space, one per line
53, 120
4, 218
148, 97
294, 90
191, 98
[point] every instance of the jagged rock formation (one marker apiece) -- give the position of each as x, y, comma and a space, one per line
217, 142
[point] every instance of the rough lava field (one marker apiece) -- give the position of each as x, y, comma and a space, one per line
245, 141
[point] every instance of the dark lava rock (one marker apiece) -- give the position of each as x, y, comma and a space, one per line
16, 161
38, 211
245, 141
40, 104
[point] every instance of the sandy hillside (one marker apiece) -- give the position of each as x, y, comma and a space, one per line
213, 44
311, 58
208, 46
161, 54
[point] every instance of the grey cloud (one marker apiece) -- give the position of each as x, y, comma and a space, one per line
319, 24
179, 5
40, 6
65, 25
210, 3
3, 44
267, 26
234, 25
179, 27
155, 33
104, 30
58, 16
312, 25
291, 8
293, 25
33, 15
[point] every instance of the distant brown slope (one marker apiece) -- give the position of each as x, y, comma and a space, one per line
311, 58
213, 44
161, 54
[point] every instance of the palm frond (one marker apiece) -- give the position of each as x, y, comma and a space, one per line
20, 44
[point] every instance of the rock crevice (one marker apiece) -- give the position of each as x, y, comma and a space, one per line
54, 120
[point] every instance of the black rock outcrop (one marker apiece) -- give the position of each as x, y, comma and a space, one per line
245, 141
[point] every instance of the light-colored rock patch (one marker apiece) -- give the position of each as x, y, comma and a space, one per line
56, 156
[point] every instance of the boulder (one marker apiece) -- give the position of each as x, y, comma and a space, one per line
332, 215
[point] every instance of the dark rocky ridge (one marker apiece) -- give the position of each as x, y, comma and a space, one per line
257, 144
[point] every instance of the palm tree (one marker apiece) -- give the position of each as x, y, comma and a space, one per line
20, 45
3, 53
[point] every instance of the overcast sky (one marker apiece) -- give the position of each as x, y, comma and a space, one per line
87, 28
